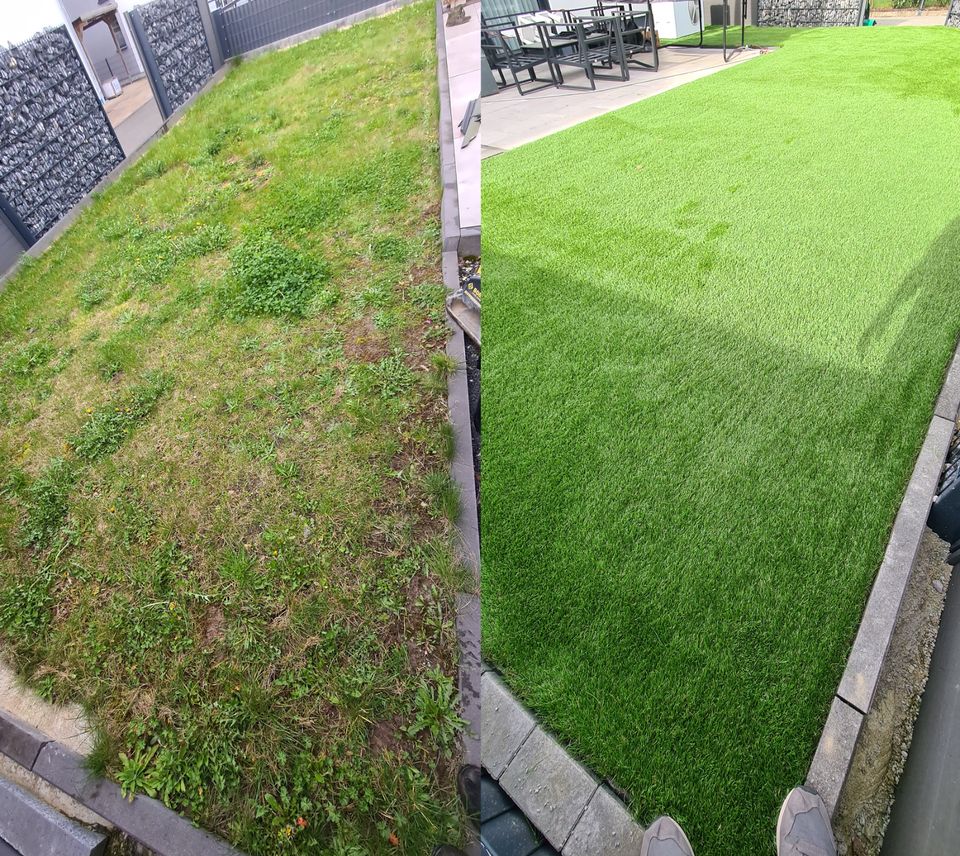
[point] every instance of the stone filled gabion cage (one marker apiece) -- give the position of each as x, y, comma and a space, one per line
174, 34
953, 15
809, 13
56, 143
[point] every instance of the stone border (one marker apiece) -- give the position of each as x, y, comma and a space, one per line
573, 810
146, 820
854, 697
458, 404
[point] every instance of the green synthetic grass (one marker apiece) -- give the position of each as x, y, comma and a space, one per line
224, 499
717, 322
759, 37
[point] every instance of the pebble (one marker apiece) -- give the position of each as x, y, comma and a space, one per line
938, 586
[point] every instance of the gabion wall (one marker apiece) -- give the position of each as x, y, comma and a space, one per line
175, 34
55, 141
808, 13
953, 16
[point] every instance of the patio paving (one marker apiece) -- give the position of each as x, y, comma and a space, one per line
463, 71
510, 120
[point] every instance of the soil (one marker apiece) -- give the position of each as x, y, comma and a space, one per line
864, 807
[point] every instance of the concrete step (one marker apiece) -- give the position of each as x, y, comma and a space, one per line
29, 827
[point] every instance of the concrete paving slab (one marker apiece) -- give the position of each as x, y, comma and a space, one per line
504, 724
462, 46
859, 682
45, 792
548, 786
511, 119
828, 771
606, 827
34, 829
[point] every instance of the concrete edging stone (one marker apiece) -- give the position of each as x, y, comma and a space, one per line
145, 820
854, 697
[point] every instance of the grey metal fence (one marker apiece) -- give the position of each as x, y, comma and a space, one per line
56, 142
249, 24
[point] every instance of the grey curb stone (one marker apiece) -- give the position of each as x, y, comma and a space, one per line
949, 401
146, 820
606, 827
831, 762
860, 678
504, 724
19, 741
32, 827
548, 786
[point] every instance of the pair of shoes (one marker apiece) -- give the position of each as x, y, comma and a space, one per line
803, 829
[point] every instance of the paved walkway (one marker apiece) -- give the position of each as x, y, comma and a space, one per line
510, 119
925, 820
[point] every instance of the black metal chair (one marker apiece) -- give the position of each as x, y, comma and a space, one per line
505, 51
637, 35
588, 44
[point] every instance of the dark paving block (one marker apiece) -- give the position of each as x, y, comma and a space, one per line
146, 820
510, 834
19, 741
493, 801
32, 828
6, 849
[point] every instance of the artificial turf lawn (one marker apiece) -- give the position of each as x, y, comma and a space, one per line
760, 37
223, 458
717, 322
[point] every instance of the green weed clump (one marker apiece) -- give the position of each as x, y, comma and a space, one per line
273, 279
108, 427
46, 501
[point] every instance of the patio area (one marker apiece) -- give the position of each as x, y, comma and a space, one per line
511, 119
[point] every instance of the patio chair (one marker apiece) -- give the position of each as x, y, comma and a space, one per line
637, 35
505, 50
588, 44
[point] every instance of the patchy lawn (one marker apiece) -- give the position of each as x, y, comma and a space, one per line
225, 502
717, 322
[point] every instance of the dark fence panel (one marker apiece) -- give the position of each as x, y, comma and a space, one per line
174, 48
56, 143
244, 26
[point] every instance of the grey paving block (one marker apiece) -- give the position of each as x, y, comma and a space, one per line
20, 741
949, 400
548, 786
606, 828
145, 820
510, 835
6, 849
34, 829
504, 724
860, 678
831, 762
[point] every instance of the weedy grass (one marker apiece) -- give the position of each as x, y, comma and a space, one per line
715, 335
219, 444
